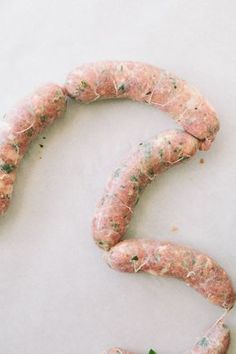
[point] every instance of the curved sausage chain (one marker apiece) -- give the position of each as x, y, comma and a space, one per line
143, 83
115, 209
146, 83
215, 341
19, 127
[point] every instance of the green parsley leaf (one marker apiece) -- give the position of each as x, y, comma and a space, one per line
134, 258
7, 167
134, 179
204, 342
151, 351
121, 87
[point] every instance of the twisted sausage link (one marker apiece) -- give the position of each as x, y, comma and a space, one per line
20, 127
145, 83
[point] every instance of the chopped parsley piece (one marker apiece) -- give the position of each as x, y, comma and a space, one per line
115, 226
29, 132
43, 118
83, 84
134, 258
151, 351
134, 179
204, 342
121, 87
7, 167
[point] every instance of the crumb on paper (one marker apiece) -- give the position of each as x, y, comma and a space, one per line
201, 160
174, 228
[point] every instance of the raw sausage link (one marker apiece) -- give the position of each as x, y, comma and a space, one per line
19, 127
122, 192
166, 259
146, 83
215, 341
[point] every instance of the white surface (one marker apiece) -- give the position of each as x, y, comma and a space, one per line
56, 293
